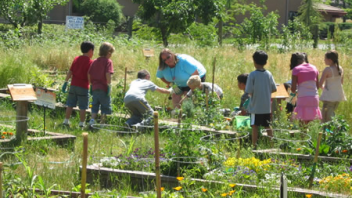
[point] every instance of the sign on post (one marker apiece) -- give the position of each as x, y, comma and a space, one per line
22, 92
45, 97
74, 22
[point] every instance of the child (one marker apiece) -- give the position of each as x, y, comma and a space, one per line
79, 85
135, 99
241, 83
259, 86
99, 76
331, 82
194, 82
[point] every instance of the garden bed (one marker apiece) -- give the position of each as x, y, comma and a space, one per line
298, 156
36, 135
108, 177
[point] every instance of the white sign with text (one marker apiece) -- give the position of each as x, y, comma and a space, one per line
74, 22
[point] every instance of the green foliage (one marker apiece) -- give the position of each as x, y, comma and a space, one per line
295, 35
15, 11
204, 35
175, 16
103, 10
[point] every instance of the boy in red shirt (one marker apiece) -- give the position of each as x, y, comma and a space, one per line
79, 85
99, 76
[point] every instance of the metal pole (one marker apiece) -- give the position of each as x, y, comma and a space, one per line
124, 84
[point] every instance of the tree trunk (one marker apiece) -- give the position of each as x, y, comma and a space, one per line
315, 36
129, 27
164, 36
220, 32
40, 26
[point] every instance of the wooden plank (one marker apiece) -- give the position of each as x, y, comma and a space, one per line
148, 177
280, 92
22, 92
299, 156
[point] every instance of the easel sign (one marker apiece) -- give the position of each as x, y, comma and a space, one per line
147, 52
45, 97
280, 92
22, 92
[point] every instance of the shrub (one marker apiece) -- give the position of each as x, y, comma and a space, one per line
103, 10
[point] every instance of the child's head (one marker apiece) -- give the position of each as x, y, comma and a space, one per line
260, 58
241, 81
106, 49
332, 58
143, 74
194, 82
297, 59
87, 48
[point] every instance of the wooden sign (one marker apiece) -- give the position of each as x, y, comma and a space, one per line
148, 52
45, 97
280, 92
22, 92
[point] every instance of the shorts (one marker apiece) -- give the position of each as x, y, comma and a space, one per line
260, 119
101, 101
77, 94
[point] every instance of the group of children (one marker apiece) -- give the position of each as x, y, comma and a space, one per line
94, 77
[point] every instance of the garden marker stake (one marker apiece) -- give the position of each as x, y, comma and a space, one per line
178, 135
157, 162
84, 165
124, 83
0, 179
311, 177
212, 86
207, 100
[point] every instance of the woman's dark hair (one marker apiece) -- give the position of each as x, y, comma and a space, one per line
162, 64
297, 59
334, 56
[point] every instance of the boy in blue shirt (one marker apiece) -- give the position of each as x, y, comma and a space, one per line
260, 84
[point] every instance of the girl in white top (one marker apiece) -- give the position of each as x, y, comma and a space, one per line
331, 82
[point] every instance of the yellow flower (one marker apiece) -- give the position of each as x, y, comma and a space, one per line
232, 185
224, 194
231, 192
178, 188
162, 188
298, 149
4, 133
179, 178
309, 195
10, 133
2, 137
345, 151
204, 190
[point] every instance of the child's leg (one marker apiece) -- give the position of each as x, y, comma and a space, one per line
82, 115
328, 110
103, 119
68, 112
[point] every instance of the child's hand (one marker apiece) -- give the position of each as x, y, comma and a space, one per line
64, 87
109, 90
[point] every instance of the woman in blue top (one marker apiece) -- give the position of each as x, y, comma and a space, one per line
176, 69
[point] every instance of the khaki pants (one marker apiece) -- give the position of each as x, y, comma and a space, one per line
328, 110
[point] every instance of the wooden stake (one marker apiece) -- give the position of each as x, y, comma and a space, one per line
1, 179
84, 165
124, 84
311, 178
212, 88
179, 119
21, 124
157, 162
207, 100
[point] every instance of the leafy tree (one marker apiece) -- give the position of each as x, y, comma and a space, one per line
311, 17
175, 16
15, 12
40, 8
102, 10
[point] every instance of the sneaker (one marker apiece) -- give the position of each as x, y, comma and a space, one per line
66, 124
81, 125
91, 122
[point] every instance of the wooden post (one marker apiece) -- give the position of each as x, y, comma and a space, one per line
212, 88
0, 179
21, 121
157, 162
84, 165
124, 84
311, 178
207, 100
179, 119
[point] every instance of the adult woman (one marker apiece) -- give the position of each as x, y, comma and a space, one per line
305, 76
176, 69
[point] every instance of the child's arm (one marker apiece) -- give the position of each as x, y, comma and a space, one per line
68, 76
165, 81
322, 79
317, 81
162, 90
294, 84
108, 81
